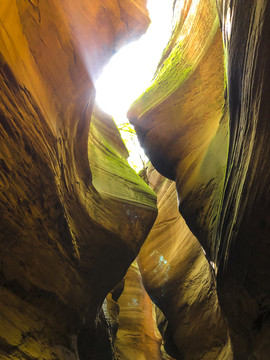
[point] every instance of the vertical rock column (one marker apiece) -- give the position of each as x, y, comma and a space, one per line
138, 337
181, 282
244, 225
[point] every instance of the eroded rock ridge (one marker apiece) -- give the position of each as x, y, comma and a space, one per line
66, 238
204, 123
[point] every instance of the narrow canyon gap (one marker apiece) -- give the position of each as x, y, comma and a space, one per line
130, 71
84, 241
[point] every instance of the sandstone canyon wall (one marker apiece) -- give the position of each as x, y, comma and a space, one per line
138, 337
66, 236
181, 282
73, 215
204, 123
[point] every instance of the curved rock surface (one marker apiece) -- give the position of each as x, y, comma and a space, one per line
182, 119
138, 337
66, 238
181, 282
204, 123
244, 219
74, 215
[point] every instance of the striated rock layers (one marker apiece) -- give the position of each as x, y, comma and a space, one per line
204, 123
67, 236
73, 215
138, 337
181, 282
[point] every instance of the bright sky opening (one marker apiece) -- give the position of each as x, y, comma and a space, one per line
131, 70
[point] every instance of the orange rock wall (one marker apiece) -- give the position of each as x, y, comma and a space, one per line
204, 123
138, 337
74, 215
182, 118
181, 282
62, 237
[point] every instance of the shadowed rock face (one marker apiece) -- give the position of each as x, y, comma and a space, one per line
243, 228
204, 123
66, 236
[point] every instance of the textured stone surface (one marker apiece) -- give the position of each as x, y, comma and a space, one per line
182, 118
73, 215
138, 337
65, 239
181, 282
204, 122
244, 221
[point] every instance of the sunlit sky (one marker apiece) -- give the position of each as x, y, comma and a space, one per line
131, 70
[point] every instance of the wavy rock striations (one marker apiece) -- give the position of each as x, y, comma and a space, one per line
74, 215
67, 237
181, 282
182, 118
138, 337
243, 226
204, 123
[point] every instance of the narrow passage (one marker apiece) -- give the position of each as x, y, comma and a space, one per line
131, 71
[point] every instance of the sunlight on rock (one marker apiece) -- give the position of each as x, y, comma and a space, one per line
131, 71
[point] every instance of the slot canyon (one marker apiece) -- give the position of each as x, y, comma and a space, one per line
98, 262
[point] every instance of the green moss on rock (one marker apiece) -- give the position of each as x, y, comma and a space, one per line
112, 175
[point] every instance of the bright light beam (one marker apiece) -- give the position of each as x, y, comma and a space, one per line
131, 70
